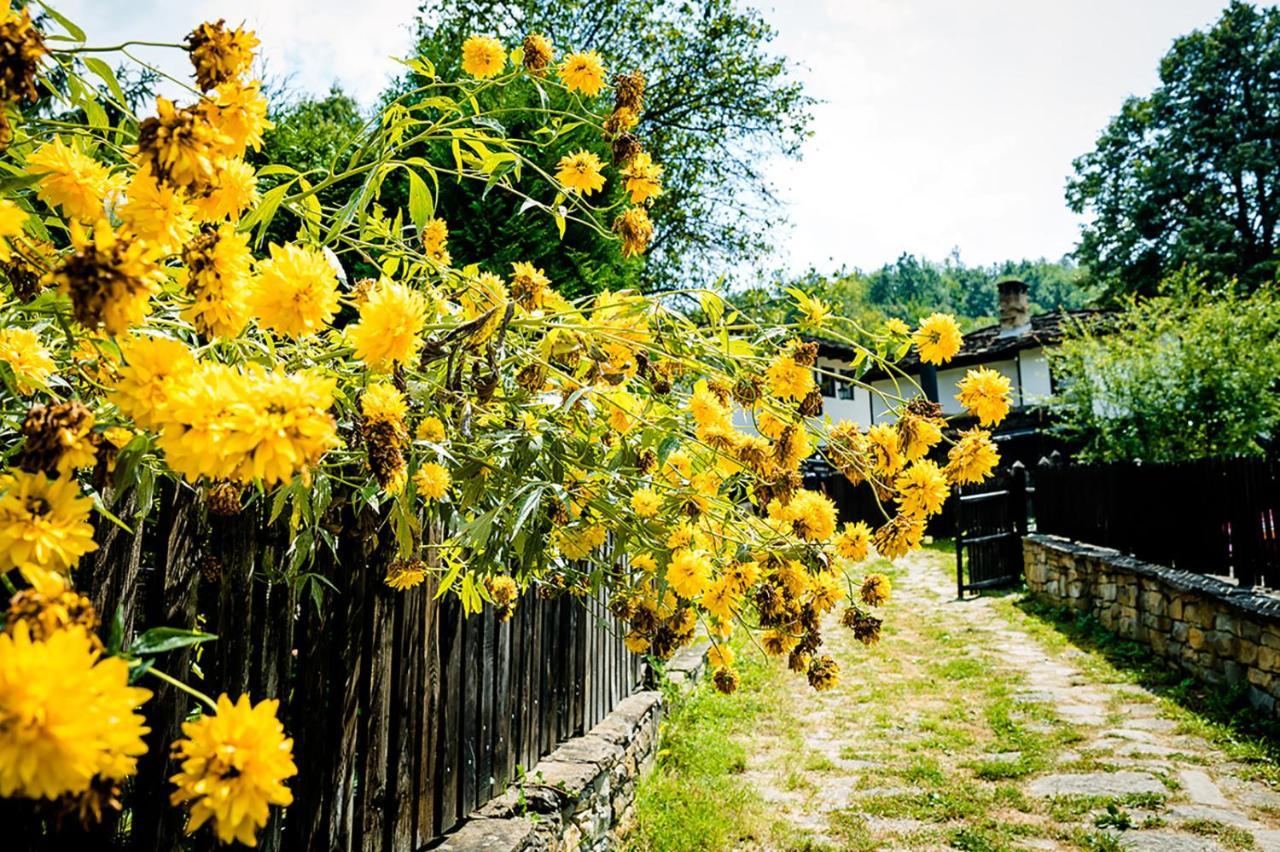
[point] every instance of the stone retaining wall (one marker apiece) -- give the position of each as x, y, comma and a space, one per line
581, 796
1206, 626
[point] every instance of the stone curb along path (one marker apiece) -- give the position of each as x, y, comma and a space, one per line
1181, 792
580, 797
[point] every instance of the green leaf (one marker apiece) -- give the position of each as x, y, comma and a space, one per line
74, 31
420, 203
103, 70
157, 640
115, 635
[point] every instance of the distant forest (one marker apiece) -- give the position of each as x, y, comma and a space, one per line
912, 287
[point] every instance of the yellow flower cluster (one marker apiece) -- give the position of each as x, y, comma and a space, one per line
606, 443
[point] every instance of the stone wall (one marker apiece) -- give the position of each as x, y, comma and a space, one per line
1204, 625
582, 795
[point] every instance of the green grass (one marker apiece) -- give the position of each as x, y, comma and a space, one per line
695, 799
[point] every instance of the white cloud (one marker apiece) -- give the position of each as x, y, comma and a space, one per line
951, 124
316, 42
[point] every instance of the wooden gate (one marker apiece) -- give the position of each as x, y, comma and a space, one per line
991, 520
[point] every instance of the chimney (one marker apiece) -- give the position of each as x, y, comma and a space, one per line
1014, 313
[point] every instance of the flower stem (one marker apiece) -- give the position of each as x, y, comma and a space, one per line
190, 690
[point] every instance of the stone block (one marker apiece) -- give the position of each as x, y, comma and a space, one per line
1221, 643
1159, 641
1248, 629
1107, 591
1258, 677
492, 835
1233, 671
1268, 659
1153, 602
1246, 652
1179, 631
1175, 609
1270, 637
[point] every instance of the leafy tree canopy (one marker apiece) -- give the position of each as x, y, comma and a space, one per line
1189, 373
1190, 174
717, 104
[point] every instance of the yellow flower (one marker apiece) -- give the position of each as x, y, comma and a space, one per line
537, 53
12, 218
234, 189
723, 600
812, 515
917, 434
706, 408
635, 229
435, 239
875, 589
938, 339
431, 429
896, 327
404, 574
66, 715
719, 655
247, 424
826, 591
110, 278
239, 113
391, 321
44, 523
689, 572
788, 379
580, 172
483, 56
140, 391
853, 541
220, 54
71, 180
381, 401
645, 502
644, 562
234, 763
583, 72
156, 212
485, 294
24, 352
643, 178
220, 268
182, 146
884, 448
578, 543
296, 292
528, 286
623, 410
972, 459
899, 535
24, 48
432, 481
824, 673
922, 489
985, 392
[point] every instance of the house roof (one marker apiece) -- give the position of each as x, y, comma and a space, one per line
982, 345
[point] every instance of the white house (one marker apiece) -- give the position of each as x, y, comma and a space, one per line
1015, 346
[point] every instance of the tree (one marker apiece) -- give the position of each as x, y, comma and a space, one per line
717, 104
1189, 373
1191, 173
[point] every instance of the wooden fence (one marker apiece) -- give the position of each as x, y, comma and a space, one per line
405, 714
1210, 517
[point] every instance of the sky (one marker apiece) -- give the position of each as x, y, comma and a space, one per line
943, 124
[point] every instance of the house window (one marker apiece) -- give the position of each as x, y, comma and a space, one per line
844, 390
827, 383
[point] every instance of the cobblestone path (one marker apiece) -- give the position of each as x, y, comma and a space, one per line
974, 725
